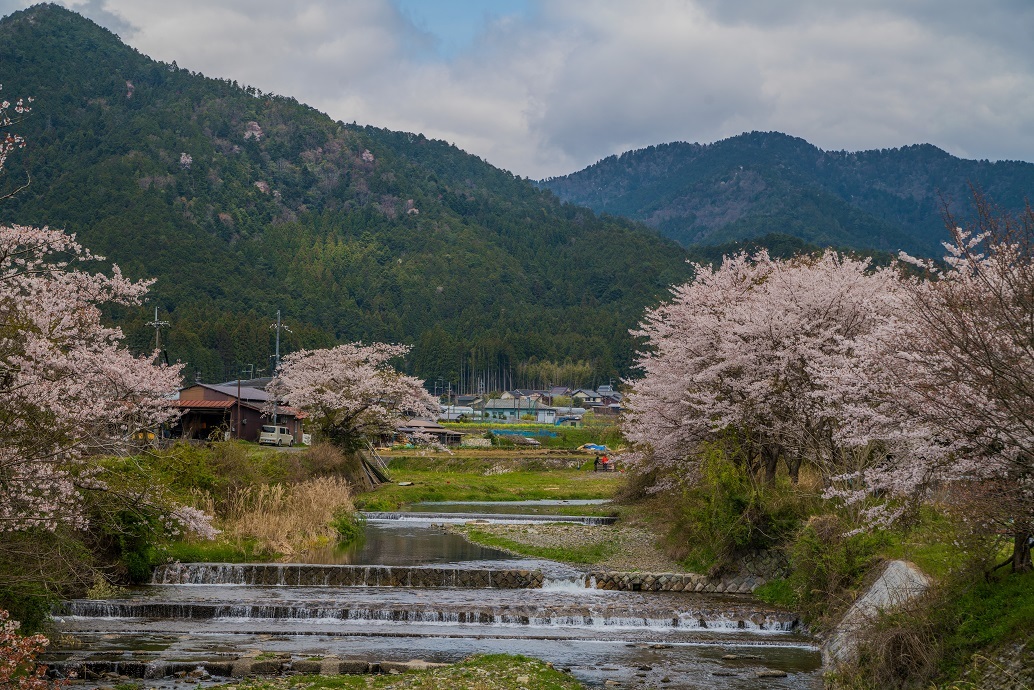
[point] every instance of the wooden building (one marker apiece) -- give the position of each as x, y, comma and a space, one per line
224, 411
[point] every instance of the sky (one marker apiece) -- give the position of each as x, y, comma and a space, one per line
547, 87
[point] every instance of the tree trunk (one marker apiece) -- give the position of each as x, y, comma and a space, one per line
1021, 559
770, 458
793, 466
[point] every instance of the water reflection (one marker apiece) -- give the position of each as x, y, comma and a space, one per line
406, 544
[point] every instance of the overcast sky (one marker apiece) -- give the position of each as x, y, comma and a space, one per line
546, 87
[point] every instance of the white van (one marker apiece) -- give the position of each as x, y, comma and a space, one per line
276, 436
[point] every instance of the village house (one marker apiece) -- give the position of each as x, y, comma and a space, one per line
585, 397
517, 410
215, 411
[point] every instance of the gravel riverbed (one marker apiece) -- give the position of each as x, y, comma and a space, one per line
633, 547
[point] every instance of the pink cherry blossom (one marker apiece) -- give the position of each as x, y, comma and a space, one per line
69, 390
351, 393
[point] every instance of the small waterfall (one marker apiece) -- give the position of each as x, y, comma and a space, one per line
577, 584
611, 614
302, 575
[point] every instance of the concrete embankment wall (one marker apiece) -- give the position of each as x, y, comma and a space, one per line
899, 582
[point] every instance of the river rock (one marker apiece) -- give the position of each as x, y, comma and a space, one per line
770, 673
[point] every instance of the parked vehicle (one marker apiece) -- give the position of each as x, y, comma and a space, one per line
275, 436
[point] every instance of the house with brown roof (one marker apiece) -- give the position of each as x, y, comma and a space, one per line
226, 411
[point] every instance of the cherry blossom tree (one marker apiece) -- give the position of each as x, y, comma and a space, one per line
957, 373
18, 667
10, 114
69, 390
747, 353
351, 393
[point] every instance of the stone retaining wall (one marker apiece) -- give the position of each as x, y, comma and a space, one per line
672, 582
755, 570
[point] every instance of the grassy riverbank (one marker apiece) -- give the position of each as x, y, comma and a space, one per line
490, 476
483, 672
266, 504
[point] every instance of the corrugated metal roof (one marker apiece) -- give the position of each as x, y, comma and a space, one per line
205, 404
247, 393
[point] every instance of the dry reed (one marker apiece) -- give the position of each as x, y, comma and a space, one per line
286, 519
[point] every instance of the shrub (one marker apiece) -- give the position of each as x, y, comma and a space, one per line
350, 526
827, 565
18, 667
722, 514
37, 568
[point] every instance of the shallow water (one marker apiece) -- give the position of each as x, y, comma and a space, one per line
541, 507
409, 543
641, 639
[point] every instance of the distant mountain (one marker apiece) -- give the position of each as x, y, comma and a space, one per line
241, 203
765, 182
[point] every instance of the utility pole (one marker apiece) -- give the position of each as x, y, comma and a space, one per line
276, 357
157, 333
238, 403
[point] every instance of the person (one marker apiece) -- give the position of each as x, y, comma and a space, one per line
605, 462
596, 463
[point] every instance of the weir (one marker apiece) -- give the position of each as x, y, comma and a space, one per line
546, 609
218, 620
496, 518
311, 575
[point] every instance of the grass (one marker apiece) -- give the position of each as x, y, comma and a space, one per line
483, 672
927, 541
433, 480
241, 551
587, 554
777, 592
287, 518
984, 615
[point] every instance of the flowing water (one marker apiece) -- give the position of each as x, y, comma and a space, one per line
412, 590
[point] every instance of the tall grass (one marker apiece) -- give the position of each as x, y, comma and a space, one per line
286, 519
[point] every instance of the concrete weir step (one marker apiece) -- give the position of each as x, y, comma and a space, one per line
500, 518
96, 669
653, 612
305, 575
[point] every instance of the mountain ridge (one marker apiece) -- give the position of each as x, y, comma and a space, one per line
241, 203
758, 182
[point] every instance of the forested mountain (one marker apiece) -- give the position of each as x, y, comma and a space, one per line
763, 182
240, 203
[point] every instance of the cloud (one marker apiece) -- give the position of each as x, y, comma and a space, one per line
556, 86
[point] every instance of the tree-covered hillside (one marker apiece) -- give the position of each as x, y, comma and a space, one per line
752, 184
240, 203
